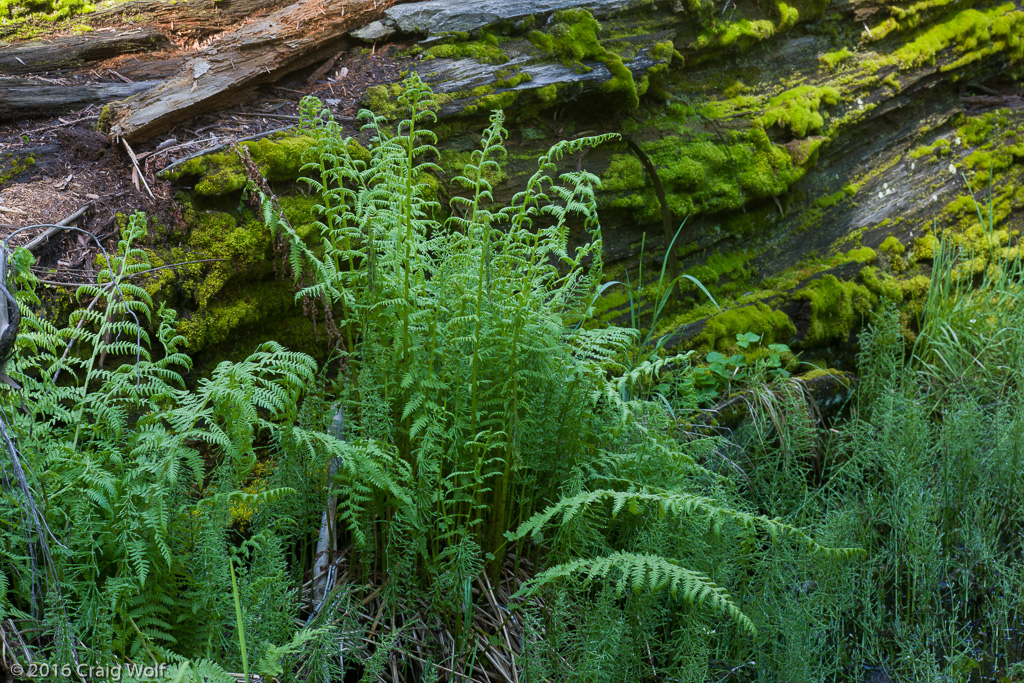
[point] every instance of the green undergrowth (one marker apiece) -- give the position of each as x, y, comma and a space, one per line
915, 479
146, 475
484, 426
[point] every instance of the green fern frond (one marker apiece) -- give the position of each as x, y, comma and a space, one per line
650, 574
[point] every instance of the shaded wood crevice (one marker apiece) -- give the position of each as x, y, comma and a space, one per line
666, 213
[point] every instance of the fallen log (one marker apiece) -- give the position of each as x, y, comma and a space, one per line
72, 52
149, 67
195, 18
259, 52
20, 97
439, 17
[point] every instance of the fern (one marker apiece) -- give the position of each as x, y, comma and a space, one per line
646, 573
678, 504
120, 450
199, 671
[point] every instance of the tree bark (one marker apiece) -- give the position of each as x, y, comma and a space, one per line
262, 51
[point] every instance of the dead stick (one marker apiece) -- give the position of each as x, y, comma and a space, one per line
135, 163
224, 145
50, 232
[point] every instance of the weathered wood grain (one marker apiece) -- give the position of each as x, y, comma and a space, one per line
72, 52
259, 52
25, 97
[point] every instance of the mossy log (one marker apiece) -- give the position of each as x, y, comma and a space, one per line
72, 52
438, 17
816, 149
795, 138
234, 62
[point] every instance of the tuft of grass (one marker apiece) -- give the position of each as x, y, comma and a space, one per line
972, 327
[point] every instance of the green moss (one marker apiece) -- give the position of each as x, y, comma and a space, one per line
488, 103
831, 60
704, 173
892, 245
724, 274
831, 200
939, 148
746, 32
622, 84
664, 52
719, 331
454, 162
740, 34
238, 306
882, 284
824, 372
243, 245
836, 309
799, 109
624, 173
974, 34
222, 174
46, 10
301, 213
486, 50
862, 255
978, 130
382, 100
12, 166
513, 79
573, 39
103, 122
548, 94
278, 158
735, 88
924, 247
226, 259
915, 288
